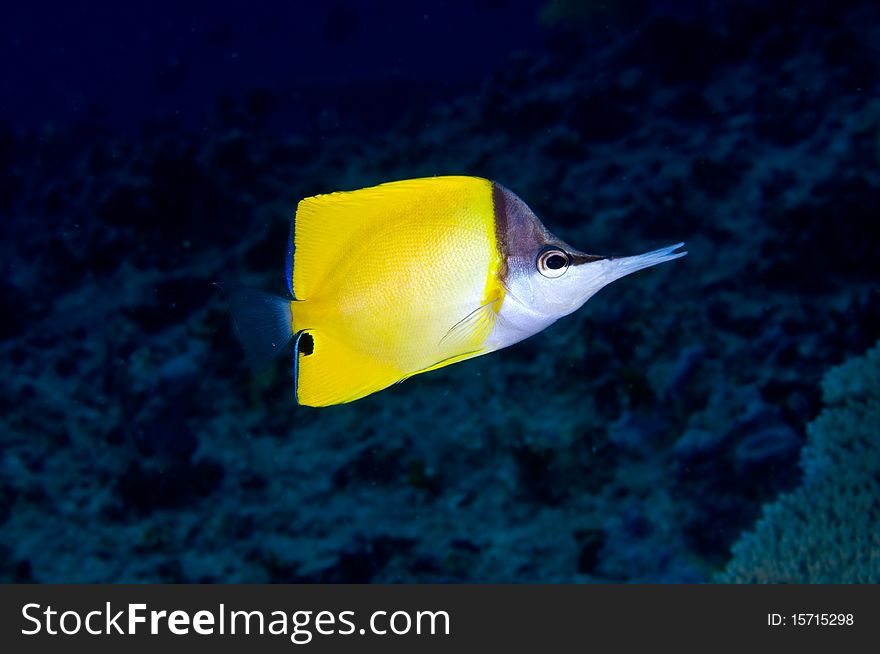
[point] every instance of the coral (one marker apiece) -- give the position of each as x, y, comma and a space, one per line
828, 530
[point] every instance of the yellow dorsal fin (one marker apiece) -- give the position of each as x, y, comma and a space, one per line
329, 226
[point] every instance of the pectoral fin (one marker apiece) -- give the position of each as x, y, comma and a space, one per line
469, 333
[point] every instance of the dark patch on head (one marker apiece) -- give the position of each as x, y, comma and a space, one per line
499, 208
521, 236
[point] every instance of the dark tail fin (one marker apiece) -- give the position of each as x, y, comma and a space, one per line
262, 323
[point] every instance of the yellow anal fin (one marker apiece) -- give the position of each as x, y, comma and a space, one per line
446, 362
329, 372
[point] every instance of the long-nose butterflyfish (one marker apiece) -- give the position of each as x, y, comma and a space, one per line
398, 279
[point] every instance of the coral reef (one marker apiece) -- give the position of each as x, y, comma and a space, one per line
828, 529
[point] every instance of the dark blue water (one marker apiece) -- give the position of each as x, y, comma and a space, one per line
148, 151
118, 65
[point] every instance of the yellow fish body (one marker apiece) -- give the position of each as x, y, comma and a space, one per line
406, 277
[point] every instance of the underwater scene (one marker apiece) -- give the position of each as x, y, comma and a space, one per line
714, 418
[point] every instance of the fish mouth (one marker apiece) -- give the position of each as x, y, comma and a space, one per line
626, 265
598, 272
621, 266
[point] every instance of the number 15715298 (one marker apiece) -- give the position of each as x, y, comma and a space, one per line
810, 619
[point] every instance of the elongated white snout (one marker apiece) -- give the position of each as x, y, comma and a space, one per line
617, 267
587, 279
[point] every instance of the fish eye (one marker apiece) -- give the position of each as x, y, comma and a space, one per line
552, 262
